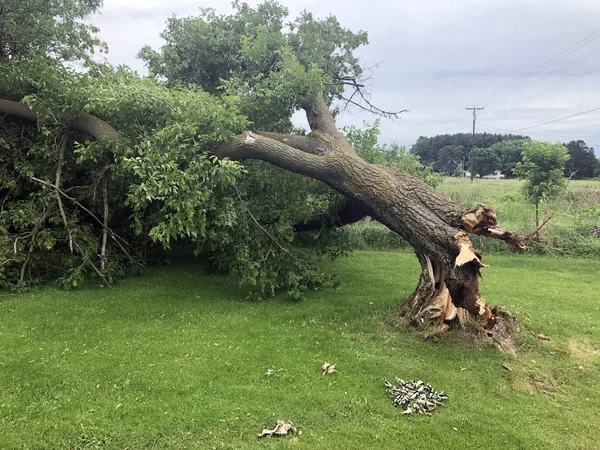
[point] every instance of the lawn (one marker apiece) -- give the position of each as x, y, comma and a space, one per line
176, 359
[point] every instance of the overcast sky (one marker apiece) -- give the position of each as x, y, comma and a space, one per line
437, 57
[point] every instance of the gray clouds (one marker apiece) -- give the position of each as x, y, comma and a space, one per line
435, 58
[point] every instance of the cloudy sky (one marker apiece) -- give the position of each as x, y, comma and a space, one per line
436, 57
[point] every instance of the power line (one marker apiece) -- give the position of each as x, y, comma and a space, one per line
539, 134
557, 120
573, 48
566, 66
595, 69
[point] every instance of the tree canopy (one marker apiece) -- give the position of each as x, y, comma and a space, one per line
542, 168
582, 162
483, 161
444, 150
52, 28
101, 170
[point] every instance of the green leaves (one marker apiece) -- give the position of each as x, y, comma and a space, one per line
365, 142
53, 29
275, 68
483, 161
543, 165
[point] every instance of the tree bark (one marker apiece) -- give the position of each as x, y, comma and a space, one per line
437, 228
86, 123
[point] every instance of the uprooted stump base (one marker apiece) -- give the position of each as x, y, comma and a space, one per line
500, 330
432, 307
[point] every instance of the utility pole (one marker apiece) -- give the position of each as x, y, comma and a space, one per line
474, 109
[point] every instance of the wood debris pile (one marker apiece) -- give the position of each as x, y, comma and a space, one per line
415, 396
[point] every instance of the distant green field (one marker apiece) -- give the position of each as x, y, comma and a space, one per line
567, 233
175, 359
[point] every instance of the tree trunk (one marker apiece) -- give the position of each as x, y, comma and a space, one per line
448, 290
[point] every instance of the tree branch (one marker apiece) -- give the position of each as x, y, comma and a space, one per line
372, 108
349, 212
482, 221
86, 123
320, 118
61, 159
250, 145
105, 219
313, 143
114, 235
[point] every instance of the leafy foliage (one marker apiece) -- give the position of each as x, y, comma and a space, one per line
274, 67
543, 166
509, 154
430, 149
452, 160
161, 186
365, 142
163, 189
483, 161
582, 162
52, 28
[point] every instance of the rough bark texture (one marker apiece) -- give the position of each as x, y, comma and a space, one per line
437, 228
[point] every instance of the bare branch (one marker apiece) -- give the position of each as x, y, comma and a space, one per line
372, 108
353, 82
115, 236
309, 144
250, 145
105, 222
61, 159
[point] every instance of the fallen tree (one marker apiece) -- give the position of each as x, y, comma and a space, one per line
252, 71
447, 292
437, 228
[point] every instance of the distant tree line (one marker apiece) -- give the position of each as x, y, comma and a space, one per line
451, 154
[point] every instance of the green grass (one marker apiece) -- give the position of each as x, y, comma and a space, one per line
175, 359
567, 233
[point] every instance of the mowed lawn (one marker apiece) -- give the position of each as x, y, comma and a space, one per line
176, 359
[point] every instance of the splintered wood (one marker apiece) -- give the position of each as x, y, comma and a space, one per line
415, 396
467, 252
282, 428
